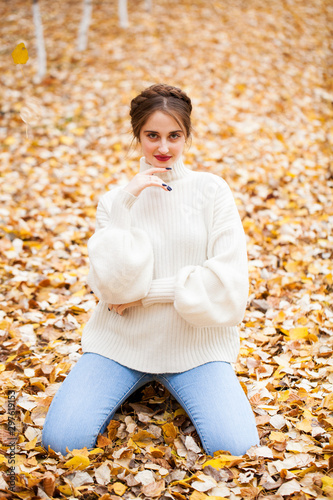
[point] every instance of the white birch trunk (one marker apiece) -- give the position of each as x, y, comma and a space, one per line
41, 53
122, 11
148, 5
82, 39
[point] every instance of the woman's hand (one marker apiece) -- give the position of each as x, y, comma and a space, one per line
120, 308
142, 180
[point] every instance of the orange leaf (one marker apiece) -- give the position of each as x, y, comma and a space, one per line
170, 432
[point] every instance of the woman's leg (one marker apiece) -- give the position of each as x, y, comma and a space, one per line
87, 400
214, 400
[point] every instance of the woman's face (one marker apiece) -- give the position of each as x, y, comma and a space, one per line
162, 140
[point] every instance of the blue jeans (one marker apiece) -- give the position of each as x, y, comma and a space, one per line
96, 386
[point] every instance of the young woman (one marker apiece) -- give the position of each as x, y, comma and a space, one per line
168, 263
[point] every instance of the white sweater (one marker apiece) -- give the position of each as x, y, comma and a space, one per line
183, 252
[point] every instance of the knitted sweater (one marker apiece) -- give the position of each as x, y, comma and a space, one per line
183, 252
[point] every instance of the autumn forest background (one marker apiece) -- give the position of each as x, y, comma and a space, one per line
260, 77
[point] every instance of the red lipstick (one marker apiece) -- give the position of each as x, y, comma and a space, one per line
163, 158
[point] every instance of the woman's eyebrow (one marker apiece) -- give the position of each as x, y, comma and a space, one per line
153, 131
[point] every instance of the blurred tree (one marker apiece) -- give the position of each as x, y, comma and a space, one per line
82, 39
148, 5
41, 53
122, 11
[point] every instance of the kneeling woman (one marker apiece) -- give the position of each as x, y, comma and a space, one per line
168, 263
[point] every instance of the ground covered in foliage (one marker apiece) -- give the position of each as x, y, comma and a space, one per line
260, 77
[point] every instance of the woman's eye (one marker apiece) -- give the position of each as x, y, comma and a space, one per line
152, 136
175, 136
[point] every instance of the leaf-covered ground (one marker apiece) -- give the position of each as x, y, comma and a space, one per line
260, 76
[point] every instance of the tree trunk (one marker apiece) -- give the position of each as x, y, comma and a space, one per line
82, 39
148, 5
123, 16
41, 53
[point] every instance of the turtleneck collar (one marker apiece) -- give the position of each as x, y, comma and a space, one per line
178, 170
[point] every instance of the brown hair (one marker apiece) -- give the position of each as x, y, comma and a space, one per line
161, 97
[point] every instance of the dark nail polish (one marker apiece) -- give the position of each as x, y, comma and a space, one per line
91, 292
109, 309
168, 168
169, 188
164, 184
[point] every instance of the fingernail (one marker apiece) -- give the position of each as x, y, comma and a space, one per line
164, 184
168, 168
91, 292
109, 309
169, 188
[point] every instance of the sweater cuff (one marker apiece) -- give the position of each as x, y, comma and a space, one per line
161, 290
122, 203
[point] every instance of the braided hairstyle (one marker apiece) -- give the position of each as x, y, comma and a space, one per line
161, 97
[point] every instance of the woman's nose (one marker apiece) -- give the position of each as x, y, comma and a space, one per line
163, 147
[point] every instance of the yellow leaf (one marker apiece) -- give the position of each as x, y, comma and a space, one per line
313, 269
132, 444
284, 395
156, 452
95, 451
112, 429
80, 293
10, 358
119, 488
304, 425
303, 320
278, 437
170, 432
222, 460
328, 402
292, 266
9, 140
77, 309
180, 411
300, 332
31, 445
329, 278
143, 438
35, 381
65, 139
279, 318
65, 489
307, 413
20, 54
78, 130
198, 495
79, 462
327, 484
80, 451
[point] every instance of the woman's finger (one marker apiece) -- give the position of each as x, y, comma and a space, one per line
155, 169
156, 181
120, 309
115, 307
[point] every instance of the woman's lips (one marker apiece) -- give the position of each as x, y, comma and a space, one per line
163, 158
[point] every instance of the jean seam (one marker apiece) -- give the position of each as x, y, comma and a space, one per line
202, 439
121, 400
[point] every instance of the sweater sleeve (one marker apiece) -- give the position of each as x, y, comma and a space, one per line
214, 293
121, 256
